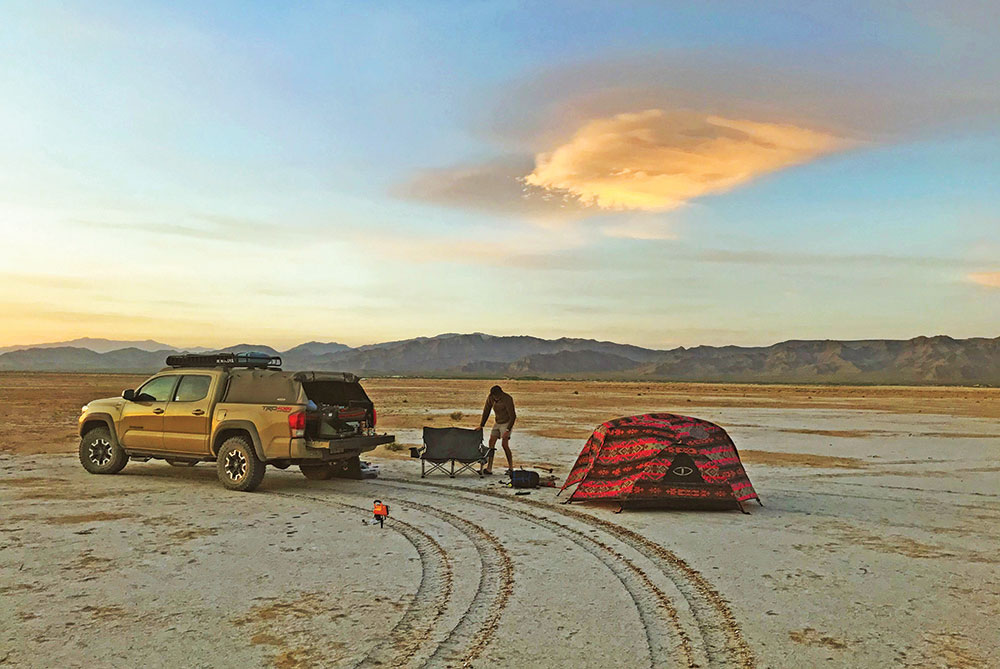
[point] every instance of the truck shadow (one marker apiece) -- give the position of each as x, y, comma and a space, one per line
288, 480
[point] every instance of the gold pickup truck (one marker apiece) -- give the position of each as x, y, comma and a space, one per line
240, 411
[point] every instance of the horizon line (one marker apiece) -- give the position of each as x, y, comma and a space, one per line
67, 343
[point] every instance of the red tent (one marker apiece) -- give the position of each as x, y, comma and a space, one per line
660, 459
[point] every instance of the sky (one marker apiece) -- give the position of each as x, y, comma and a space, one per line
663, 174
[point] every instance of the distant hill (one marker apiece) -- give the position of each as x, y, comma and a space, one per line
449, 354
71, 359
317, 348
102, 345
922, 360
248, 348
568, 363
311, 354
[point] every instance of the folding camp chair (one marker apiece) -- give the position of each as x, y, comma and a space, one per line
452, 444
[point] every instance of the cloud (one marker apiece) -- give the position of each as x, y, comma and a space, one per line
871, 90
752, 109
211, 227
204, 226
497, 186
653, 160
545, 250
989, 279
755, 257
657, 160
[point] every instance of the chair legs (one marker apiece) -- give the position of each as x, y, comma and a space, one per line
430, 468
434, 466
468, 466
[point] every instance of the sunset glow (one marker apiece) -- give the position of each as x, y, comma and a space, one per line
674, 174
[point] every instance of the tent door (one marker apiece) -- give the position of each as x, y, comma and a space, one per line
683, 470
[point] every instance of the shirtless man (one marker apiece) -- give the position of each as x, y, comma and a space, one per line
502, 406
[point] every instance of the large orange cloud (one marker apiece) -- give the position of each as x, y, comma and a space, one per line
990, 279
657, 160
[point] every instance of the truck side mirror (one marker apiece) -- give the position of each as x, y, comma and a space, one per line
128, 395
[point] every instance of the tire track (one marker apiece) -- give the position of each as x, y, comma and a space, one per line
647, 597
481, 618
434, 592
709, 607
717, 626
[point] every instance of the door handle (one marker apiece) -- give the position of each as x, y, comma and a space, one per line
157, 410
198, 412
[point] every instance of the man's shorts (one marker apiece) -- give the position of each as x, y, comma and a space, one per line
498, 430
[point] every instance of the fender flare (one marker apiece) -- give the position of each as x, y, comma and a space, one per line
244, 425
103, 418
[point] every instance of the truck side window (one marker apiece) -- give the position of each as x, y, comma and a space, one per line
156, 390
192, 388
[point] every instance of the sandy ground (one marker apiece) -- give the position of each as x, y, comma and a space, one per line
878, 546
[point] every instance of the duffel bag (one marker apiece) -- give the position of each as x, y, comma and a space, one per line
522, 478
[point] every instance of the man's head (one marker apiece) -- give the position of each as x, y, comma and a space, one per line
496, 392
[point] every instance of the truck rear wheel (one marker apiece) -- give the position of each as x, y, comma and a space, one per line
319, 472
238, 466
100, 454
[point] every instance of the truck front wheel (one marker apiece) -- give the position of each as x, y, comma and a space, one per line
100, 454
238, 466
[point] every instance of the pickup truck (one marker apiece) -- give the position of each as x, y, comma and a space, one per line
240, 411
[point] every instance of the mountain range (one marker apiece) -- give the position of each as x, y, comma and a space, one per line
922, 360
102, 345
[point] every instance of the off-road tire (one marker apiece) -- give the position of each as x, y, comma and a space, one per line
238, 466
100, 454
348, 469
322, 471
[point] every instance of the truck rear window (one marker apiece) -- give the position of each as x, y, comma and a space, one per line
193, 387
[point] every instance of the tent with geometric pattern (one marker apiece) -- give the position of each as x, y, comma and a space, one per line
661, 459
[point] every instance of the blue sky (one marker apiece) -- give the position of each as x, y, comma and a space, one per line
655, 173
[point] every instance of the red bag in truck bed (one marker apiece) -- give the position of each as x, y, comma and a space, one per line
351, 413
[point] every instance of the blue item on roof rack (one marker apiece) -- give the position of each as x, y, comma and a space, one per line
251, 359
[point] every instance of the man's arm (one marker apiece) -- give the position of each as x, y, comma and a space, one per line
513, 415
486, 412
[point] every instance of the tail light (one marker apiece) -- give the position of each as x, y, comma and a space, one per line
297, 424
374, 417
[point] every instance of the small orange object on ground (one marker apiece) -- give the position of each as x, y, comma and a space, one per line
381, 511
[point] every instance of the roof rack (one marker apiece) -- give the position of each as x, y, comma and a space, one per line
249, 359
